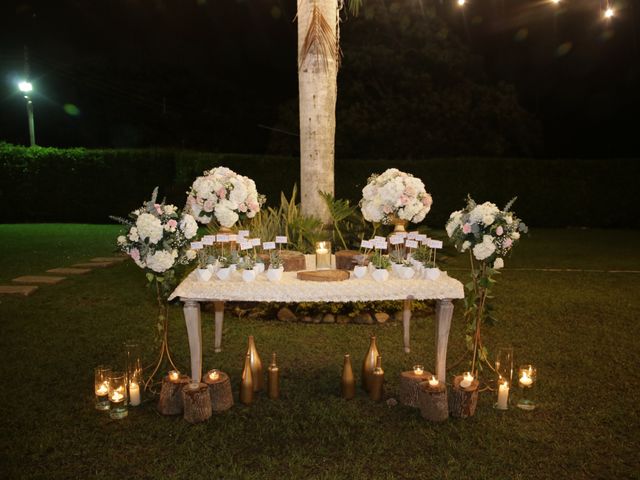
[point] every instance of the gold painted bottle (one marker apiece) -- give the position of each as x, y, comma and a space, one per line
348, 383
246, 385
274, 378
256, 366
377, 381
369, 363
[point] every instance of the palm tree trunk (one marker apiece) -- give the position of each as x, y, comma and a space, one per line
318, 58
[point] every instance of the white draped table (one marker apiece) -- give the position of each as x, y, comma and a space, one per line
192, 292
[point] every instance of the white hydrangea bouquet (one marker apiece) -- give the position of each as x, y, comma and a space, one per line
225, 195
489, 235
395, 197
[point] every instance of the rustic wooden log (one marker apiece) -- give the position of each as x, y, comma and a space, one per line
347, 259
292, 261
197, 402
409, 386
170, 402
433, 402
219, 391
463, 401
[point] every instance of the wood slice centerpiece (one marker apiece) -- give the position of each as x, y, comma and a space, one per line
292, 261
170, 402
347, 259
324, 275
432, 401
409, 386
219, 391
197, 402
463, 400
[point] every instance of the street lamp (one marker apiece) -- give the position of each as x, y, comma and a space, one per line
26, 88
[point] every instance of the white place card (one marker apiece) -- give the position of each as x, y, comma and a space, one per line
245, 245
380, 245
222, 238
412, 235
422, 238
396, 240
434, 243
208, 239
378, 238
196, 245
255, 242
243, 233
366, 244
233, 238
411, 244
269, 245
281, 239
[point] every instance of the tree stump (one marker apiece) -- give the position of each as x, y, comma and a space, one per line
346, 259
197, 402
409, 386
463, 401
292, 261
170, 402
433, 402
219, 391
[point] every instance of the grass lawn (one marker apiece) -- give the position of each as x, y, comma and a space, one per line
580, 328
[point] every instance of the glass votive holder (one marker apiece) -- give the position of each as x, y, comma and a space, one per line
527, 380
101, 386
134, 373
323, 255
118, 395
503, 394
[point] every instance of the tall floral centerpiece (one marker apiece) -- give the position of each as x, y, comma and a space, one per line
489, 235
395, 198
158, 240
222, 194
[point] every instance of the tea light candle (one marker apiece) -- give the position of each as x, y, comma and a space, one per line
134, 394
467, 380
102, 390
117, 397
174, 376
433, 381
503, 396
214, 375
418, 369
525, 380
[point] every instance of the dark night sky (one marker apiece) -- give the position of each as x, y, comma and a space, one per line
207, 73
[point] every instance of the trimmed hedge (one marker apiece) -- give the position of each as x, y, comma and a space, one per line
77, 185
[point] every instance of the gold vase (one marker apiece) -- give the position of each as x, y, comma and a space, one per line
399, 225
377, 381
274, 380
256, 365
246, 385
369, 363
348, 382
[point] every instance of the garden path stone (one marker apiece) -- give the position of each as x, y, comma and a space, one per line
93, 265
47, 280
69, 271
24, 290
108, 259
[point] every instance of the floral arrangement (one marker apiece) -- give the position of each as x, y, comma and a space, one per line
488, 234
394, 195
158, 236
225, 195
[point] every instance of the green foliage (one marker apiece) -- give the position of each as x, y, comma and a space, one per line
379, 260
347, 221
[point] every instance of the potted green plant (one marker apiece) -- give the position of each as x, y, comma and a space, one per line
381, 264
276, 267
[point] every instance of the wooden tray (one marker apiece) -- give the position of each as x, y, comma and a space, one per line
324, 275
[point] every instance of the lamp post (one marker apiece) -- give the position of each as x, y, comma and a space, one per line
26, 88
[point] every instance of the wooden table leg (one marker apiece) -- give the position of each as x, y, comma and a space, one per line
406, 324
219, 318
444, 313
192, 319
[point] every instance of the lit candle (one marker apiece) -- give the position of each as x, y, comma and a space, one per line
433, 381
467, 380
117, 397
323, 255
503, 396
102, 390
214, 375
525, 380
134, 394
174, 376
418, 369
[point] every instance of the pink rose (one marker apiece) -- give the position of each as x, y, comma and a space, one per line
466, 228
208, 205
191, 200
254, 207
135, 254
158, 208
499, 231
427, 200
242, 207
171, 225
387, 209
403, 199
222, 193
507, 243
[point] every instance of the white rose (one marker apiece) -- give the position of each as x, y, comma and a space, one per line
485, 249
488, 219
465, 246
498, 264
149, 227
133, 234
515, 235
188, 226
122, 240
191, 254
170, 209
225, 216
161, 261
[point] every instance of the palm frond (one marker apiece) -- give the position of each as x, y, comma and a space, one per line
320, 40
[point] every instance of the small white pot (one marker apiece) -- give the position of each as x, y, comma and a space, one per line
259, 268
204, 274
248, 275
224, 273
360, 271
395, 267
233, 267
405, 272
432, 273
380, 274
275, 274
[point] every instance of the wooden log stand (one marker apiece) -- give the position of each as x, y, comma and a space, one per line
463, 401
197, 402
170, 402
347, 259
409, 386
219, 391
433, 402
